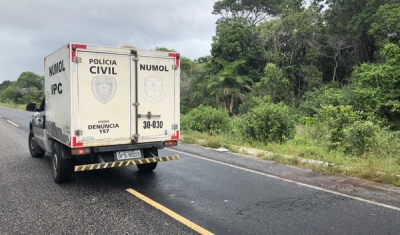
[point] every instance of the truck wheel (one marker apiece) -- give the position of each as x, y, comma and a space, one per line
62, 168
34, 149
148, 167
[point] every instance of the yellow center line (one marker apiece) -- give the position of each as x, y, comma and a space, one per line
167, 211
12, 123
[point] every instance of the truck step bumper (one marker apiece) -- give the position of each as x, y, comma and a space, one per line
99, 166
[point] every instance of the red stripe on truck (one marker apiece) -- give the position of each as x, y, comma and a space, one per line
176, 136
74, 143
177, 56
73, 49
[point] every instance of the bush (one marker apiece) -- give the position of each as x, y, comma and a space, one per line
252, 102
387, 145
234, 126
347, 131
269, 123
324, 96
206, 119
361, 137
336, 119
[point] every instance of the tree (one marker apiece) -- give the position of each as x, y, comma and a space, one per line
336, 48
235, 41
385, 26
194, 83
28, 88
29, 79
292, 44
4, 85
164, 49
376, 85
228, 85
274, 85
327, 95
9, 95
251, 12
354, 18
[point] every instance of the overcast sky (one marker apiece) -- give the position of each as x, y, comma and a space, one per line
30, 30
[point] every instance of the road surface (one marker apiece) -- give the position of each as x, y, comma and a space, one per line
206, 191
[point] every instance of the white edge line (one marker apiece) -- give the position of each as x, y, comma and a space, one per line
291, 181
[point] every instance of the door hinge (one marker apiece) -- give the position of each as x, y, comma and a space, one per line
78, 132
135, 104
135, 138
175, 67
175, 126
77, 59
135, 59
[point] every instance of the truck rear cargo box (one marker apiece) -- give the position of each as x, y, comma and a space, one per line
102, 96
106, 107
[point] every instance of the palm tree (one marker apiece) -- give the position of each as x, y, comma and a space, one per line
228, 85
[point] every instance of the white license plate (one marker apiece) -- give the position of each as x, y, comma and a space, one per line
131, 154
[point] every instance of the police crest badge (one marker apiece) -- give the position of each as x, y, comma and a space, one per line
104, 88
153, 89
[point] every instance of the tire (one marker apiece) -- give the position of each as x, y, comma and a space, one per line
148, 167
34, 149
62, 168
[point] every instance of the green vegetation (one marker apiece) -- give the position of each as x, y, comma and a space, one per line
205, 118
13, 105
268, 122
317, 82
27, 89
313, 83
381, 163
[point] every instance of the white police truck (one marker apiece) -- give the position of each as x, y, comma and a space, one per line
106, 107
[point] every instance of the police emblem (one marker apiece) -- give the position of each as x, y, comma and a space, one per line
153, 89
104, 88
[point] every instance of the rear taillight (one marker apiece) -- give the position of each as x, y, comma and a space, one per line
80, 151
170, 143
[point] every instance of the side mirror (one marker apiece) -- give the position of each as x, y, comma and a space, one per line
31, 107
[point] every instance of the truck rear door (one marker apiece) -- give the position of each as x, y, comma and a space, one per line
156, 97
104, 104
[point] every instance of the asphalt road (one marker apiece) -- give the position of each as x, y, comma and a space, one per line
224, 193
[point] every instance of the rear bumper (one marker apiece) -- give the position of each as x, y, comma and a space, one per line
106, 165
112, 148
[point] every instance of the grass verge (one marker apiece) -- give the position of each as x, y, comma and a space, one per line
301, 151
15, 106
